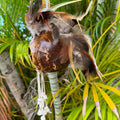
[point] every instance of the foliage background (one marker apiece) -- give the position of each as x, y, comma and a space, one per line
102, 24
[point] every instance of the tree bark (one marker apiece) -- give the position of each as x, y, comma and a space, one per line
14, 83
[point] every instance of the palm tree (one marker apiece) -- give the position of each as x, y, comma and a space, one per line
10, 36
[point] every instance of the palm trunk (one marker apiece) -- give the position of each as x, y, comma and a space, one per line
99, 2
54, 88
14, 82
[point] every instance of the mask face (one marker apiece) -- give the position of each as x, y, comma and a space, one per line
52, 34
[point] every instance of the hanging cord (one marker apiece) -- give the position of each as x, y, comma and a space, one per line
43, 108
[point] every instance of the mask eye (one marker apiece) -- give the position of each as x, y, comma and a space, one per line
29, 52
39, 17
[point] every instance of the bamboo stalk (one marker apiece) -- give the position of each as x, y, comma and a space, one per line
54, 88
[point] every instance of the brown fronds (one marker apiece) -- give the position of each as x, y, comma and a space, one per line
5, 103
71, 61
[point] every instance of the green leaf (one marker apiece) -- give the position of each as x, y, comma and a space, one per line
96, 115
103, 24
109, 114
12, 51
114, 116
103, 110
3, 46
74, 114
89, 110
